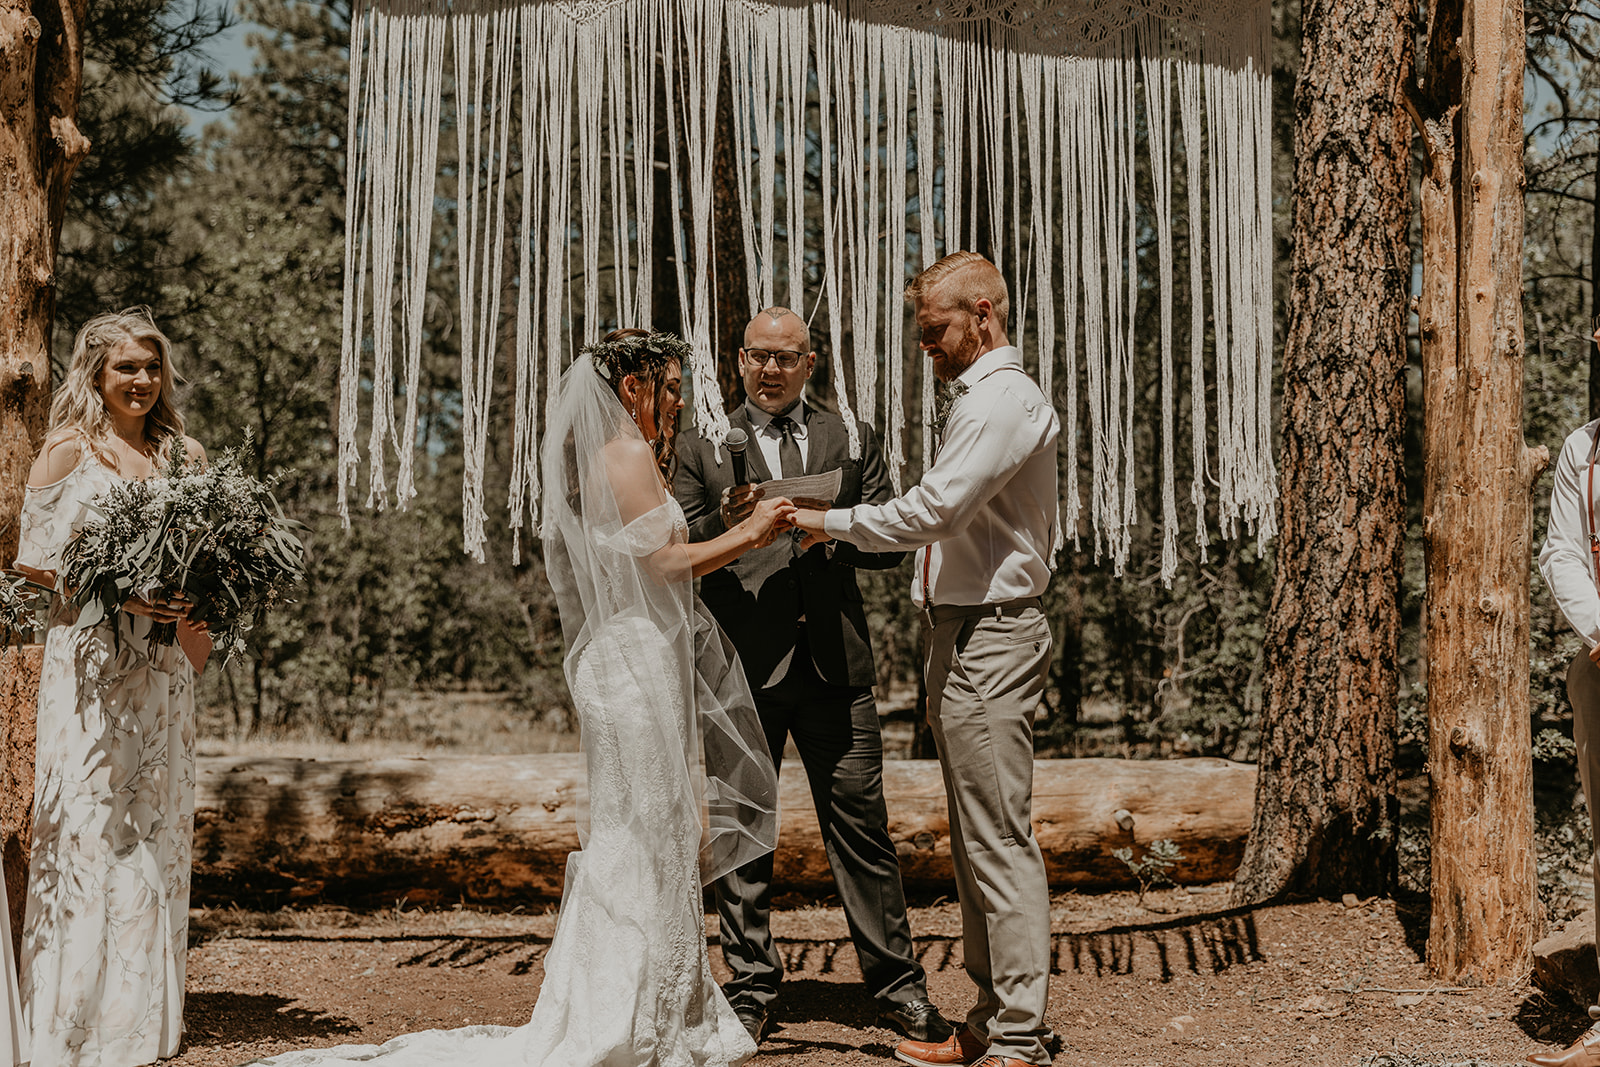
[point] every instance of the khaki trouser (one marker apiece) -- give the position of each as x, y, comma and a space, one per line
986, 674
1583, 689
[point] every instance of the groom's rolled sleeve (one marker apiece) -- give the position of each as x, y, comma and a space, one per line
984, 445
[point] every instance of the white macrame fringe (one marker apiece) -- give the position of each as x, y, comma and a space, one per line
1020, 122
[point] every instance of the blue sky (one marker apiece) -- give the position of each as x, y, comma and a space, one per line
227, 53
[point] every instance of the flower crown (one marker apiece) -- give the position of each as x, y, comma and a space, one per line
637, 355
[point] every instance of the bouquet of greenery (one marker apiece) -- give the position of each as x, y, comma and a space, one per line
214, 533
20, 600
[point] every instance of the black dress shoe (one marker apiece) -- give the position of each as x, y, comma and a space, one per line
754, 1019
919, 1020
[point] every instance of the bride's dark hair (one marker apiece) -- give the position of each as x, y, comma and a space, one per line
646, 355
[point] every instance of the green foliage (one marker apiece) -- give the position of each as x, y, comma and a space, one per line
1552, 746
1151, 869
143, 63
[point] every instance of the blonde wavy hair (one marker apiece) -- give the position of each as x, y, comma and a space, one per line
78, 410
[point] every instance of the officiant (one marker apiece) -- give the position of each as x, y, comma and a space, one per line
798, 623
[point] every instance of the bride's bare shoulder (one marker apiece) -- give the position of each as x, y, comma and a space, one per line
624, 454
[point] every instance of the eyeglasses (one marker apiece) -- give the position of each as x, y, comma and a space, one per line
786, 360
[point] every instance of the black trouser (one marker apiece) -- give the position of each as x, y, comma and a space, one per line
835, 730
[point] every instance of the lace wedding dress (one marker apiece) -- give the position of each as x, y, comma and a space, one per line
680, 785
105, 941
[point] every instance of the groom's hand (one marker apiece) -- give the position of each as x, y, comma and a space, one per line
810, 521
737, 503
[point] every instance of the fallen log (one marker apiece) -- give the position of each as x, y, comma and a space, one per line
497, 829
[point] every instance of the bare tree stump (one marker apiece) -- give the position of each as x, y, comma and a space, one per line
497, 829
1477, 512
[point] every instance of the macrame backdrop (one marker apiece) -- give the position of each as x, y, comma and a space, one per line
1016, 120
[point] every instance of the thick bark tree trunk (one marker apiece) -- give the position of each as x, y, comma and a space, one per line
41, 68
1325, 801
1477, 509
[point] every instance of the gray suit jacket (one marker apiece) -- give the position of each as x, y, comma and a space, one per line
759, 597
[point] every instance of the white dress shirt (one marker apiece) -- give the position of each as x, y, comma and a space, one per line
768, 437
983, 518
1565, 562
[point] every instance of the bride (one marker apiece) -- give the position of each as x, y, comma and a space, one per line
681, 787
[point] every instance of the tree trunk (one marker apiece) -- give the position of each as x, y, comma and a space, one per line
1325, 815
41, 68
497, 829
19, 693
1477, 508
40, 78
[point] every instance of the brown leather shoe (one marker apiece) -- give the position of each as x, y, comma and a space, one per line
1584, 1052
1002, 1061
957, 1050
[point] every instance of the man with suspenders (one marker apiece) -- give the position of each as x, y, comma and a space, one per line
1570, 562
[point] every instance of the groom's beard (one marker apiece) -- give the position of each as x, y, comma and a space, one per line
949, 365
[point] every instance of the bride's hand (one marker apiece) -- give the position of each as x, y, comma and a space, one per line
770, 518
172, 607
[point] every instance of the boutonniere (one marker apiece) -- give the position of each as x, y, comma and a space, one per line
948, 394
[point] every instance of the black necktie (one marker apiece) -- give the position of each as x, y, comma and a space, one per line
788, 448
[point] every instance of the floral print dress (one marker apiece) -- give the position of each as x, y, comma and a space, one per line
105, 938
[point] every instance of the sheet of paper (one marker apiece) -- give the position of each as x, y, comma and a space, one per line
808, 490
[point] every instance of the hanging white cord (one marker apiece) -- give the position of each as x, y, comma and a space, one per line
1038, 101
1068, 78
829, 110
351, 318
426, 97
746, 77
1157, 67
1189, 91
1218, 115
897, 82
384, 169
1127, 92
557, 30
524, 491
615, 56
1266, 487
925, 54
644, 32
994, 86
589, 76
794, 60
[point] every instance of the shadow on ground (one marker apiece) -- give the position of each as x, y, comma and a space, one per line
1193, 944
244, 1018
810, 1001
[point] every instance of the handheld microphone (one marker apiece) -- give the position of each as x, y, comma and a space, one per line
736, 441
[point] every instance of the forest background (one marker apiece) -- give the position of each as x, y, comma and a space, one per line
236, 239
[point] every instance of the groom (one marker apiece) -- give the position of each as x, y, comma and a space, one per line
797, 621
983, 522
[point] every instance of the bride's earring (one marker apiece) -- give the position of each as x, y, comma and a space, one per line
633, 413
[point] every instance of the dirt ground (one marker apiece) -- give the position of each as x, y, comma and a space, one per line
1180, 980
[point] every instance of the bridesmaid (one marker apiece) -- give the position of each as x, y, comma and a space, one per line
104, 944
